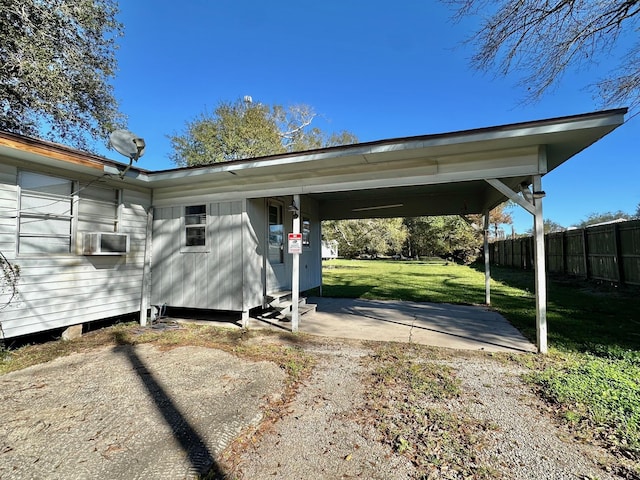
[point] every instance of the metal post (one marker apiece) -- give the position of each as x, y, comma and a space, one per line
540, 274
487, 263
295, 270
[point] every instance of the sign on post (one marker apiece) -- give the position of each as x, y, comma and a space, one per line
295, 243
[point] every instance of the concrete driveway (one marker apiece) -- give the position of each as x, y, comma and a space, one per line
436, 324
129, 412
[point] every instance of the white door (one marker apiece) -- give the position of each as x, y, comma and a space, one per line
277, 278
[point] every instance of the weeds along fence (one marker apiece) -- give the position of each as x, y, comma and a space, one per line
605, 252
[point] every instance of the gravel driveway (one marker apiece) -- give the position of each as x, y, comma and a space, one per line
321, 436
138, 412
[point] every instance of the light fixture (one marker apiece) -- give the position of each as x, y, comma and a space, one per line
293, 208
379, 207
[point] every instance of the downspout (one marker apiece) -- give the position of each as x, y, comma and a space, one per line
146, 270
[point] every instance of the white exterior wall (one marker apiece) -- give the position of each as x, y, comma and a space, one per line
278, 277
56, 291
311, 258
255, 247
211, 279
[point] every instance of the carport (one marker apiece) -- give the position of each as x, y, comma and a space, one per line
457, 173
466, 172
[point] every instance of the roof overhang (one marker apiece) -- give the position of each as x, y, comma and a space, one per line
425, 175
422, 175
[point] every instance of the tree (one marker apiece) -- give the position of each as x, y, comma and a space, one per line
442, 236
377, 236
244, 129
9, 276
549, 227
497, 217
595, 218
56, 60
542, 38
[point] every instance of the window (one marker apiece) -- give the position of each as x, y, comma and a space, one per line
306, 232
195, 225
98, 209
276, 234
45, 214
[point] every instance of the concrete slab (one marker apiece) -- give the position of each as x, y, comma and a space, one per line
463, 327
129, 412
436, 324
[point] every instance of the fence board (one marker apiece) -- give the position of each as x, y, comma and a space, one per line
606, 252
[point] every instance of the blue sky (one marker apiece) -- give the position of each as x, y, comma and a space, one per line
376, 71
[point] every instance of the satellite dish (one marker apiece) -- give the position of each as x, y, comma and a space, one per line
128, 144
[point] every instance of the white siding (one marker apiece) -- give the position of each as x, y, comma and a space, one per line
311, 258
211, 279
56, 291
255, 241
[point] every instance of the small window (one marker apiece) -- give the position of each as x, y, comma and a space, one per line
306, 232
195, 225
276, 234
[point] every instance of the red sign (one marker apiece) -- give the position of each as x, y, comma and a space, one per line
295, 243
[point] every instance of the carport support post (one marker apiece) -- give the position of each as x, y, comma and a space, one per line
487, 263
295, 269
539, 258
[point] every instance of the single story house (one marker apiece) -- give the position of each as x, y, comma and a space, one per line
95, 240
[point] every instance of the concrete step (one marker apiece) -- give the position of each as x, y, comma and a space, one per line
281, 304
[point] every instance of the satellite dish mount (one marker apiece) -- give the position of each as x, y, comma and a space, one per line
128, 144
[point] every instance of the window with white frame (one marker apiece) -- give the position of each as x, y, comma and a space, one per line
306, 232
98, 209
46, 213
276, 234
195, 225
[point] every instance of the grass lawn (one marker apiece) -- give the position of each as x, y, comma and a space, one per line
591, 374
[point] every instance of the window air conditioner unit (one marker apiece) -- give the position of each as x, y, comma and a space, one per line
105, 243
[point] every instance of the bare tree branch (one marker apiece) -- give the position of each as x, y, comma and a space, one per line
542, 39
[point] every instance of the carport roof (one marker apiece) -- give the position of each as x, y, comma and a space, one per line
422, 175
443, 173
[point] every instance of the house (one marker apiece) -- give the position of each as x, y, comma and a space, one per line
95, 240
329, 249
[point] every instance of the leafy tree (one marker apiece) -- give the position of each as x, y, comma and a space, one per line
56, 60
243, 129
549, 227
377, 236
595, 218
542, 38
442, 236
497, 217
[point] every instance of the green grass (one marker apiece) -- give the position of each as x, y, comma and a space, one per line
591, 374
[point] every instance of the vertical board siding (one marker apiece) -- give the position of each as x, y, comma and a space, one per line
254, 249
56, 291
311, 258
207, 280
608, 252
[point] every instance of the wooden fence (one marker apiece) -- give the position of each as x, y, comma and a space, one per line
606, 252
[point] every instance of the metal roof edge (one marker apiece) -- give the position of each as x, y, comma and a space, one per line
366, 147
